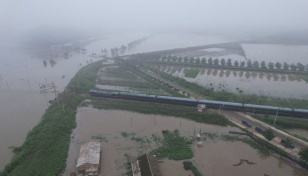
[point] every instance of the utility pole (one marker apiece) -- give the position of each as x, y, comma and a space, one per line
48, 88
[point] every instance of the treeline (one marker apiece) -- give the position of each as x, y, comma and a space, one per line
228, 63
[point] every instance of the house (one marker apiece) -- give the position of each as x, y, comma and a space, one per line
146, 165
88, 163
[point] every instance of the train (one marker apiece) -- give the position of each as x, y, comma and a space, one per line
211, 104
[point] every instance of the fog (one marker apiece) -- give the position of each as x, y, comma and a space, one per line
25, 19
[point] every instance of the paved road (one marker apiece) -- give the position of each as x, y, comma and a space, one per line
238, 117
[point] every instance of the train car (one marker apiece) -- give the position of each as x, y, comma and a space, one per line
177, 100
232, 106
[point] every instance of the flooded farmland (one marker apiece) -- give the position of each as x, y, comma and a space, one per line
246, 82
214, 157
277, 53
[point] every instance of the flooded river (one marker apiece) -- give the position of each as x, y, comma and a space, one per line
21, 72
214, 157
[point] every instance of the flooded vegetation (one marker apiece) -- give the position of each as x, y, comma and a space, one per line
124, 133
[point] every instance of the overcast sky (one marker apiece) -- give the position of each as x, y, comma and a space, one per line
18, 16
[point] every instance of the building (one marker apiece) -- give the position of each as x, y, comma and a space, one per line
146, 165
88, 163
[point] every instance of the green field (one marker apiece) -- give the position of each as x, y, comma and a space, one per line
192, 72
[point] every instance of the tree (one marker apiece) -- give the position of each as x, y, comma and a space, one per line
180, 59
303, 153
203, 61
223, 62
256, 64
198, 60
243, 64
185, 59
286, 66
216, 61
278, 65
300, 67
210, 61
270, 65
269, 134
191, 59
293, 67
263, 65
249, 64
236, 63
174, 58
229, 62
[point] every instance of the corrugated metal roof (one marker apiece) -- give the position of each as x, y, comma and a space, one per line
89, 153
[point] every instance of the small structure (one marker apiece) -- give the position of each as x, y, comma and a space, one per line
146, 165
201, 107
88, 163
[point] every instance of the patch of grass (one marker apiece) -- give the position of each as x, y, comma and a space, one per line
188, 165
158, 108
175, 147
282, 122
192, 73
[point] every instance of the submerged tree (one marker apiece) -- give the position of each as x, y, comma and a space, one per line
270, 65
223, 62
216, 61
256, 64
249, 64
278, 65
286, 66
210, 61
229, 62
263, 65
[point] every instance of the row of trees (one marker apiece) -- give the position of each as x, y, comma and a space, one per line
229, 63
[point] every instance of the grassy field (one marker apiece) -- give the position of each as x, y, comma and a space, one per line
175, 147
282, 122
45, 149
192, 73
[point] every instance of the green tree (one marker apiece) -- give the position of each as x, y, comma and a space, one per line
210, 61
286, 66
191, 59
263, 65
270, 65
186, 59
278, 65
223, 62
293, 67
249, 64
174, 58
300, 67
229, 62
203, 61
243, 64
216, 61
256, 64
303, 153
269, 134
198, 60
236, 63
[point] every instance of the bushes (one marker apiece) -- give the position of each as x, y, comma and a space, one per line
175, 147
269, 134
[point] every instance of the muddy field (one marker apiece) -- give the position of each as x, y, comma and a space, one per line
131, 134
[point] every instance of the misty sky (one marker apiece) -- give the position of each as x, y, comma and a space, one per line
17, 16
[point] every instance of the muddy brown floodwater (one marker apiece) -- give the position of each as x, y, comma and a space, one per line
214, 157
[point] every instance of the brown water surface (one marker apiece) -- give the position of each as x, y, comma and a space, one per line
212, 158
